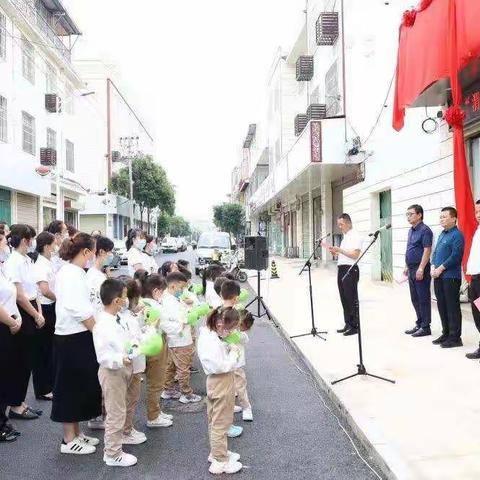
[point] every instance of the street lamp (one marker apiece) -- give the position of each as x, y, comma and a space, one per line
129, 147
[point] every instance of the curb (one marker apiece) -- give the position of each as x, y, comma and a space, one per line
394, 468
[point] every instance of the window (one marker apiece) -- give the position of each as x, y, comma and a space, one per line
51, 79
3, 36
28, 60
51, 138
474, 154
28, 133
69, 156
3, 119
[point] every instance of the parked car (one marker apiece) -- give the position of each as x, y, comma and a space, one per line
182, 244
120, 249
211, 247
169, 245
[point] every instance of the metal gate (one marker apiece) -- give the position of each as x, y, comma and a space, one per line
306, 229
27, 210
5, 206
386, 254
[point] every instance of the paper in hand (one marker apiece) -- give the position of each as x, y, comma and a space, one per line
402, 279
325, 245
477, 303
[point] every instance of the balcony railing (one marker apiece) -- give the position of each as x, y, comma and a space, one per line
32, 15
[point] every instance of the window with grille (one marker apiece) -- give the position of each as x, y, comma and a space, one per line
332, 92
3, 36
28, 133
69, 156
51, 138
51, 79
28, 60
3, 119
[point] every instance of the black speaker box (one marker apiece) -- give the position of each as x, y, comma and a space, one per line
256, 253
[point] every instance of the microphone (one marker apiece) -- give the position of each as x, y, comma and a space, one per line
381, 229
317, 240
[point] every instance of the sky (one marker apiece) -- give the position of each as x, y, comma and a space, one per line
196, 72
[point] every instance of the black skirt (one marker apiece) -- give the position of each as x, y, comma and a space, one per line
8, 368
77, 395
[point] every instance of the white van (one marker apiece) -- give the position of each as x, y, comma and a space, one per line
210, 244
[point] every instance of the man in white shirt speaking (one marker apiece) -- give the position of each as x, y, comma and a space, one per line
348, 253
473, 269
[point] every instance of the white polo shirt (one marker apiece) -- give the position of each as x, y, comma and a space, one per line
473, 265
95, 279
135, 257
44, 272
8, 295
352, 240
19, 269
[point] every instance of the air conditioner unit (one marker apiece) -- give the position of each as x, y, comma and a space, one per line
317, 111
116, 156
48, 157
327, 28
301, 121
304, 68
51, 102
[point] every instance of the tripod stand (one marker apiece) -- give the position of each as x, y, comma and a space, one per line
259, 299
308, 265
361, 370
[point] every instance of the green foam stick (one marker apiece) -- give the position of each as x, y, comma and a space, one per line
243, 295
240, 306
152, 346
193, 317
234, 338
197, 289
185, 295
203, 309
152, 315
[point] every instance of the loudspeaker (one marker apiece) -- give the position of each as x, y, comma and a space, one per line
256, 253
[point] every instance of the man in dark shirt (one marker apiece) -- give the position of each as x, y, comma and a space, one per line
447, 275
417, 268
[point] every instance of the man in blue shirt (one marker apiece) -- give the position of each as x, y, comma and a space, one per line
447, 274
417, 268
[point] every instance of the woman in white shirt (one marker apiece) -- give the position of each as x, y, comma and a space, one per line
135, 244
60, 231
77, 395
44, 273
96, 274
149, 252
19, 270
10, 324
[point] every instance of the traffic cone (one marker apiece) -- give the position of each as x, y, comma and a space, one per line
273, 270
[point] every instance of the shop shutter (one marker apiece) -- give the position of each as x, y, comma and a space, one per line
27, 210
306, 229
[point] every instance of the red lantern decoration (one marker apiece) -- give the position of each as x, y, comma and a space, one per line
43, 170
454, 116
409, 17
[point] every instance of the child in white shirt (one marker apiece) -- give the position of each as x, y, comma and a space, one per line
173, 321
110, 339
219, 360
210, 274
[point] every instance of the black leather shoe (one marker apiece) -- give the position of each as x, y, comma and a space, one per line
343, 330
412, 330
350, 331
422, 332
452, 343
25, 415
440, 340
474, 355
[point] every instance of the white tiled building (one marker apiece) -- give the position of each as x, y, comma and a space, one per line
351, 161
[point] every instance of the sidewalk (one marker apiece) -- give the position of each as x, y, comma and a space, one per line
423, 427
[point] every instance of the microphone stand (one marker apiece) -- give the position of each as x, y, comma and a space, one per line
308, 265
361, 370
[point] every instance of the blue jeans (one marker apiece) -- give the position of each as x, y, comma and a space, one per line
420, 295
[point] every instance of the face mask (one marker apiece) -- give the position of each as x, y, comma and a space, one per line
55, 250
108, 261
140, 244
125, 306
4, 254
90, 263
33, 245
178, 294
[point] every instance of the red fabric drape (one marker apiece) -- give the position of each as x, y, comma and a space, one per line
443, 40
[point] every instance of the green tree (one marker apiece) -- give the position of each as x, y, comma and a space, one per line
151, 188
163, 224
179, 227
229, 217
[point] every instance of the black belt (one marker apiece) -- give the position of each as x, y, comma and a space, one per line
476, 276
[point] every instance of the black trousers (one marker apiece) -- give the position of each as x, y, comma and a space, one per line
348, 290
447, 291
3, 415
473, 294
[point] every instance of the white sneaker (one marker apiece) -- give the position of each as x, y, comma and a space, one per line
232, 457
88, 440
192, 398
237, 409
123, 460
159, 422
134, 438
96, 424
247, 415
169, 395
224, 467
166, 415
77, 447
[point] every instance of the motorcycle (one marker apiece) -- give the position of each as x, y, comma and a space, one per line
233, 266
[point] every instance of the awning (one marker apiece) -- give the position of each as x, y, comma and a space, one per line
68, 25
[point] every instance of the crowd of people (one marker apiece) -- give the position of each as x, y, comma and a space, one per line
423, 261
81, 333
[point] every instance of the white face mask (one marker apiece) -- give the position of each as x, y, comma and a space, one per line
33, 245
4, 254
126, 306
140, 243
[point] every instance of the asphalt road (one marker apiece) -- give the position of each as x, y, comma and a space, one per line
293, 435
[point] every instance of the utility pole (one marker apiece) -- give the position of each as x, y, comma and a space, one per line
129, 146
